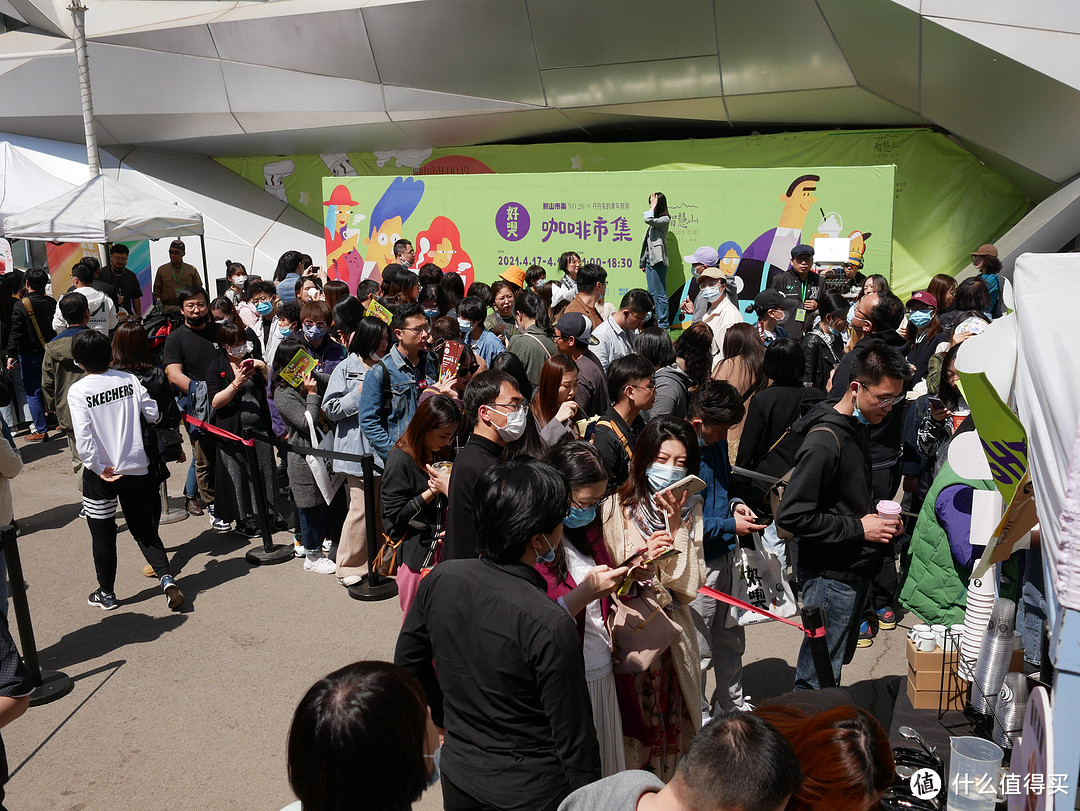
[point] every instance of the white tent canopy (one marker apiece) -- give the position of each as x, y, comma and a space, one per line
23, 184
103, 210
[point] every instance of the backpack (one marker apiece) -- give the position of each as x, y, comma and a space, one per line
775, 493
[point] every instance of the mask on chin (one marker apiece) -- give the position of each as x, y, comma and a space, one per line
195, 322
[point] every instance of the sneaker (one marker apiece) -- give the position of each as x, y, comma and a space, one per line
103, 600
326, 544
216, 524
886, 618
298, 547
172, 591
352, 579
37, 436
193, 507
249, 528
319, 565
82, 513
866, 635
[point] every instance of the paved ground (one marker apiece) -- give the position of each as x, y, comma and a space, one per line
192, 710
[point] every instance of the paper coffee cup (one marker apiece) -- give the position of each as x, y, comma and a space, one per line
888, 509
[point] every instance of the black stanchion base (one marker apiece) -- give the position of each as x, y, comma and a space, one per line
278, 554
54, 685
386, 590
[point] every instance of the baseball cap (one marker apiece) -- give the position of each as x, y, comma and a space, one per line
800, 250
923, 297
576, 326
986, 250
707, 256
712, 272
771, 300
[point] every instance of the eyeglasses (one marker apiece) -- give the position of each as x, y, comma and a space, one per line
319, 324
650, 387
512, 406
594, 503
860, 316
417, 330
468, 370
885, 402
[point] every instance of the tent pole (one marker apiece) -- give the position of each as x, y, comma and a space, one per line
93, 159
205, 268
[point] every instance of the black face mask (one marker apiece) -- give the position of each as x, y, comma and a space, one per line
196, 322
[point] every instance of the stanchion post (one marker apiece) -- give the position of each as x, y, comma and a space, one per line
375, 587
49, 685
168, 514
270, 552
814, 620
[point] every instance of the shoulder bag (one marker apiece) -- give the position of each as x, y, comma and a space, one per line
641, 631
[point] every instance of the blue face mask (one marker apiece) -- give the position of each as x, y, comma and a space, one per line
285, 332
431, 313
579, 517
464, 326
857, 412
661, 476
313, 334
264, 307
920, 318
548, 556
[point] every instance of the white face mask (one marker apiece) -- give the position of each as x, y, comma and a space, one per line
238, 281
515, 425
239, 350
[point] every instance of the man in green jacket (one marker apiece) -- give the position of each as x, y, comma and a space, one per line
58, 370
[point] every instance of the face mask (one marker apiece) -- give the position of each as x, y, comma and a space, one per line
196, 322
857, 413
238, 281
548, 556
515, 426
464, 326
661, 476
920, 318
431, 313
220, 320
710, 294
264, 307
579, 517
284, 332
433, 778
239, 350
314, 334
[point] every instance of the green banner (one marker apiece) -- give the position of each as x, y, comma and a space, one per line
480, 225
946, 201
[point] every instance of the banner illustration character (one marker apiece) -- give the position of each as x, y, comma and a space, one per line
440, 244
773, 248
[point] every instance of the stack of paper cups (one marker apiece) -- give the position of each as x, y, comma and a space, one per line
1010, 710
980, 602
994, 658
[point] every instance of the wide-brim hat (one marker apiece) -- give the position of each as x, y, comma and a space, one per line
340, 197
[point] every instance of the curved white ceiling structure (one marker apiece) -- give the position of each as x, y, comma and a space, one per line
295, 76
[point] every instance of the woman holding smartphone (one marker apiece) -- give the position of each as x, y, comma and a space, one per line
654, 258
581, 578
646, 518
236, 388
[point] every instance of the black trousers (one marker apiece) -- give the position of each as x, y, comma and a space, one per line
883, 589
454, 799
138, 498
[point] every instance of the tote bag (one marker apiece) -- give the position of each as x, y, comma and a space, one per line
757, 577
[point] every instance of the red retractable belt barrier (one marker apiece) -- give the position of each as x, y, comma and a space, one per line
213, 429
735, 601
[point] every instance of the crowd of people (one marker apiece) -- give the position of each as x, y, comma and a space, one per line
548, 462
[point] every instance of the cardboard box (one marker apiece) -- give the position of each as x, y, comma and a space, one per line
934, 680
933, 699
934, 660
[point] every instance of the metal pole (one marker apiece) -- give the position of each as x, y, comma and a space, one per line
375, 587
205, 268
814, 619
270, 552
78, 15
168, 514
49, 684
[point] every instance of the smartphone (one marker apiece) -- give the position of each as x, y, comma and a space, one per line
247, 365
689, 485
632, 558
935, 402
670, 552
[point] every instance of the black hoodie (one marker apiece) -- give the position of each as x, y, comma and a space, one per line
827, 496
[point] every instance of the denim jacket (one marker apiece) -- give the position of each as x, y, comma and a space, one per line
386, 406
341, 403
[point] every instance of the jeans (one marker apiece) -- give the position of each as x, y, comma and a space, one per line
841, 606
656, 282
322, 522
1031, 611
30, 372
191, 484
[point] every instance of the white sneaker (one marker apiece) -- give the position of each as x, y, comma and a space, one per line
319, 565
298, 549
326, 544
351, 580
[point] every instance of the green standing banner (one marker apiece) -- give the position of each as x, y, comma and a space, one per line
480, 225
